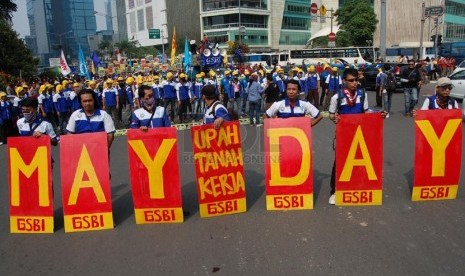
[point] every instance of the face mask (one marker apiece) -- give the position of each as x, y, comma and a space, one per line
30, 117
149, 103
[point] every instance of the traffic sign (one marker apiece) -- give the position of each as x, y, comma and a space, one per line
154, 33
323, 10
331, 43
434, 11
313, 8
332, 37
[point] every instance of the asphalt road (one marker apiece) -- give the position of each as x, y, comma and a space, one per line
398, 238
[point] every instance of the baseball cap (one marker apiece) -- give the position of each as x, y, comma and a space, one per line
444, 81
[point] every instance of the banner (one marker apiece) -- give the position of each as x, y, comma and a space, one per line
65, 70
85, 182
154, 173
359, 159
438, 154
30, 182
288, 164
219, 168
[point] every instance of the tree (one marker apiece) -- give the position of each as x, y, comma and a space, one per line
7, 8
129, 48
233, 47
14, 55
357, 20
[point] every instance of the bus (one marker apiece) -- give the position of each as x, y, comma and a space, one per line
345, 55
264, 59
453, 49
393, 53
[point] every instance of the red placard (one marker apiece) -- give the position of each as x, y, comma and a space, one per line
288, 164
359, 159
219, 168
30, 182
85, 179
154, 171
438, 154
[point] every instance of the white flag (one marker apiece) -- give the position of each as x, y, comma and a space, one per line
65, 70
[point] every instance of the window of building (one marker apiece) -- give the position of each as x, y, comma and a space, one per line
140, 20
140, 3
130, 4
148, 1
149, 17
132, 22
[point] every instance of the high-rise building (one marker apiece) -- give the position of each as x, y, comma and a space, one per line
60, 24
261, 24
119, 22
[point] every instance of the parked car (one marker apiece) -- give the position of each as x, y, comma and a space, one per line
459, 67
371, 71
458, 81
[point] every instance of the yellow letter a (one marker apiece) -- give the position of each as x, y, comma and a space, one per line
85, 166
351, 162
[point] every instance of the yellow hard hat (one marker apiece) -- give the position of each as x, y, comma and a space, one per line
25, 86
130, 80
295, 69
120, 79
64, 83
156, 77
49, 85
58, 88
2, 94
19, 89
75, 84
182, 76
261, 72
334, 69
109, 81
42, 88
212, 74
169, 75
227, 72
246, 72
235, 73
202, 74
311, 68
198, 76
91, 83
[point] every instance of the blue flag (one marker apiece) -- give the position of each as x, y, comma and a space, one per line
95, 62
187, 56
238, 54
82, 64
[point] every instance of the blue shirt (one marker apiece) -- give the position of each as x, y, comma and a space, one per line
44, 127
283, 109
59, 101
110, 95
345, 108
79, 122
46, 100
141, 117
219, 112
169, 90
196, 90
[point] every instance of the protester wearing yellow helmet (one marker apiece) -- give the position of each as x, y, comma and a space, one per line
196, 90
61, 107
6, 118
334, 84
45, 100
110, 101
312, 81
169, 90
183, 96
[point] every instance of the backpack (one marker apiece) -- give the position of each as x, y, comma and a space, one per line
233, 116
391, 82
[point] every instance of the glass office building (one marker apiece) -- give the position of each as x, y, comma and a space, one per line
60, 24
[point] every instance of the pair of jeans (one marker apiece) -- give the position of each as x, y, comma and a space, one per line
254, 109
63, 121
198, 107
237, 102
244, 101
410, 94
172, 104
387, 100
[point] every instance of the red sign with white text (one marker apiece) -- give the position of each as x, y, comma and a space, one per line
288, 164
219, 168
155, 179
30, 182
85, 180
359, 159
438, 154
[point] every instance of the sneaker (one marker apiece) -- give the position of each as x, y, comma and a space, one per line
1, 143
387, 115
332, 199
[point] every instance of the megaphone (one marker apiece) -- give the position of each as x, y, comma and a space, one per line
223, 52
215, 52
207, 52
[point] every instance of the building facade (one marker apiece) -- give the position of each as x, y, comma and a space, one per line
60, 24
119, 20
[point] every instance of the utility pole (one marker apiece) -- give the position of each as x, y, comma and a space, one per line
240, 30
421, 29
331, 48
436, 38
382, 33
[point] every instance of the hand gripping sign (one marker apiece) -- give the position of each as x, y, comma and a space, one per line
219, 168
359, 159
154, 171
30, 181
288, 164
85, 180
438, 154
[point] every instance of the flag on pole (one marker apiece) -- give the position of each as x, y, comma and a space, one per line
95, 62
174, 45
65, 70
238, 54
82, 64
187, 56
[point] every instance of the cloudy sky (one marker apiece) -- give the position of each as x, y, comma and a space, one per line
21, 24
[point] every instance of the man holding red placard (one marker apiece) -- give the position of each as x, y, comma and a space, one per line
292, 106
349, 101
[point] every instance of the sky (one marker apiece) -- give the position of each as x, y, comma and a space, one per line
21, 24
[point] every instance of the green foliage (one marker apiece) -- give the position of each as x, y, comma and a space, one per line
357, 21
233, 46
7, 8
14, 55
320, 42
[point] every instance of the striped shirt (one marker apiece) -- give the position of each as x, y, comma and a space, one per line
79, 122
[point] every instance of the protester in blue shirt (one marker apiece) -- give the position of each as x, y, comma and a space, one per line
6, 116
61, 107
32, 123
215, 112
89, 118
110, 100
149, 115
